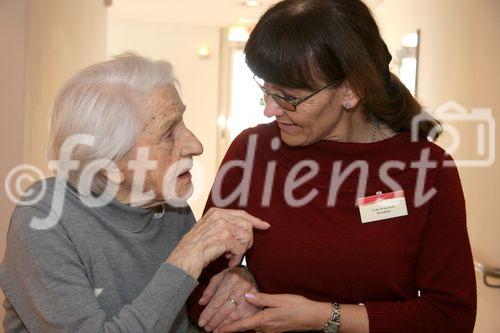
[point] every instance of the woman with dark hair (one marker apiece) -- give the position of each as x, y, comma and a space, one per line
368, 216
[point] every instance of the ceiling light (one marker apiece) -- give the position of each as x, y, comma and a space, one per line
238, 33
203, 52
252, 3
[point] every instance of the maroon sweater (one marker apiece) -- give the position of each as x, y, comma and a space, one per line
413, 273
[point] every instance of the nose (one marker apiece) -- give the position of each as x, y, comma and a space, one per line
272, 109
191, 145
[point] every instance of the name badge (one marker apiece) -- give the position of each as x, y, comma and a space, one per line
382, 206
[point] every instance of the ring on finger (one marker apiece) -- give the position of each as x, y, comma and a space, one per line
232, 300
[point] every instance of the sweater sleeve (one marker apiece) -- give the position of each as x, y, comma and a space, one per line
444, 274
46, 283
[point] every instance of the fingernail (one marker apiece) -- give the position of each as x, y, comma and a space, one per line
202, 322
249, 295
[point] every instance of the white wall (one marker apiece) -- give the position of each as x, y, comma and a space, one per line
460, 49
199, 80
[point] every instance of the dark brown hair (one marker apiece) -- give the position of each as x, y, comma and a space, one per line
303, 44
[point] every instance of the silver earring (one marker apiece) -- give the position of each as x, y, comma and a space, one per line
347, 106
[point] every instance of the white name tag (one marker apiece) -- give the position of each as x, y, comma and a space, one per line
382, 206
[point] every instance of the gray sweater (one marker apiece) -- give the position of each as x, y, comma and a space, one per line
96, 270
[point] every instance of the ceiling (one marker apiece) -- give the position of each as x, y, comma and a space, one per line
212, 13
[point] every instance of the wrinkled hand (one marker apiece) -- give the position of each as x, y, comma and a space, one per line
230, 283
220, 231
282, 313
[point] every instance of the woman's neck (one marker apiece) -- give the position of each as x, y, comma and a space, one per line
358, 128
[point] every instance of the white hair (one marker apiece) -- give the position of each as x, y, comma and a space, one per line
105, 101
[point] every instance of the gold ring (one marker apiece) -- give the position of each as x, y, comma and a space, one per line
232, 300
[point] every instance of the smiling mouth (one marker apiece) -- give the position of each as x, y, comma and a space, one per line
288, 127
285, 122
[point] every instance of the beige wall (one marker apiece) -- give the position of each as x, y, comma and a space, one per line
63, 36
199, 80
460, 49
43, 43
12, 43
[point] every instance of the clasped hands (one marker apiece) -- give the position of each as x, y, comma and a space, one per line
233, 304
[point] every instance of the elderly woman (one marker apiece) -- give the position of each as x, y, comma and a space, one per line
105, 252
368, 224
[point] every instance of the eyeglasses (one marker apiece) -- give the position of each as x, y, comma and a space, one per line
287, 103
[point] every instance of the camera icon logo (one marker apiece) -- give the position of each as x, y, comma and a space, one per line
468, 136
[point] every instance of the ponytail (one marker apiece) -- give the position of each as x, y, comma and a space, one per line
406, 109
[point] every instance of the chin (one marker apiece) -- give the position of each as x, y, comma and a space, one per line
293, 141
184, 191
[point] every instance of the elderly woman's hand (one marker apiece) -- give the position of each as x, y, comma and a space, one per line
282, 313
232, 283
220, 231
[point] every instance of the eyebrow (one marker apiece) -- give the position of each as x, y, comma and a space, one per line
173, 121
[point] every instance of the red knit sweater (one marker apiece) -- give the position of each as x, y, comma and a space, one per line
413, 273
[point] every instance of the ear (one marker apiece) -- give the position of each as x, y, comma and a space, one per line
113, 174
351, 98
